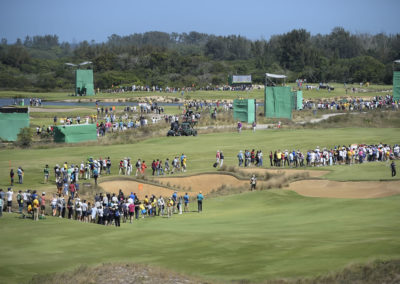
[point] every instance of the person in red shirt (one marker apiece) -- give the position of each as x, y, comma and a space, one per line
153, 166
72, 189
144, 167
131, 209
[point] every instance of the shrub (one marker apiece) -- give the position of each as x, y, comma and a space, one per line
24, 138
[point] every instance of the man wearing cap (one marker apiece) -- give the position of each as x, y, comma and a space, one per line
253, 182
200, 198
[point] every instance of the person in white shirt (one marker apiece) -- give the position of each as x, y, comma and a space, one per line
84, 211
54, 205
78, 209
105, 200
396, 151
82, 170
161, 206
100, 213
9, 194
93, 215
114, 199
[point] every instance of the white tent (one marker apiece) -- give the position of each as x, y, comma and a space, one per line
277, 76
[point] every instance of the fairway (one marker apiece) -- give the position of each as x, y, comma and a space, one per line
254, 236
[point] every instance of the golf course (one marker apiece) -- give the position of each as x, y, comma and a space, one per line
249, 236
212, 142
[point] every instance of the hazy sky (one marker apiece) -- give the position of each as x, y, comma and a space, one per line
77, 20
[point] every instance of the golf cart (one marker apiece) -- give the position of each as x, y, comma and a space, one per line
184, 129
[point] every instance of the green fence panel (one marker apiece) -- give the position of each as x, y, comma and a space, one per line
299, 105
396, 85
278, 102
11, 124
84, 82
244, 110
75, 133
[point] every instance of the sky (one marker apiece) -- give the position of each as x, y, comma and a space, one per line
78, 20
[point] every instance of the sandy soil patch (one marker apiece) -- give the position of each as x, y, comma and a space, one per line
287, 172
336, 189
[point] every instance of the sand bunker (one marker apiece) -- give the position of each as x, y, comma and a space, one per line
287, 172
337, 189
129, 186
192, 185
208, 182
204, 183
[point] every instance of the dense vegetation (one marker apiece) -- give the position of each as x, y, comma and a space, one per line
162, 59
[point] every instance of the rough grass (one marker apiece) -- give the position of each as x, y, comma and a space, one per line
369, 119
373, 272
116, 273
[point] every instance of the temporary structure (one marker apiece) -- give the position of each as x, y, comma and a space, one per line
75, 133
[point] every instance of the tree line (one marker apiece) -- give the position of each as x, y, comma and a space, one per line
187, 59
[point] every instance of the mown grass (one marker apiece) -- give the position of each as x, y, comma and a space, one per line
252, 236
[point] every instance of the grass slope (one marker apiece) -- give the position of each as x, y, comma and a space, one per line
252, 236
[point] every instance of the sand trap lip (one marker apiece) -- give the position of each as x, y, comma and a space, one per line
288, 172
353, 189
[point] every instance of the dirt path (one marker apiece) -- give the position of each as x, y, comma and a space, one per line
323, 117
336, 189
